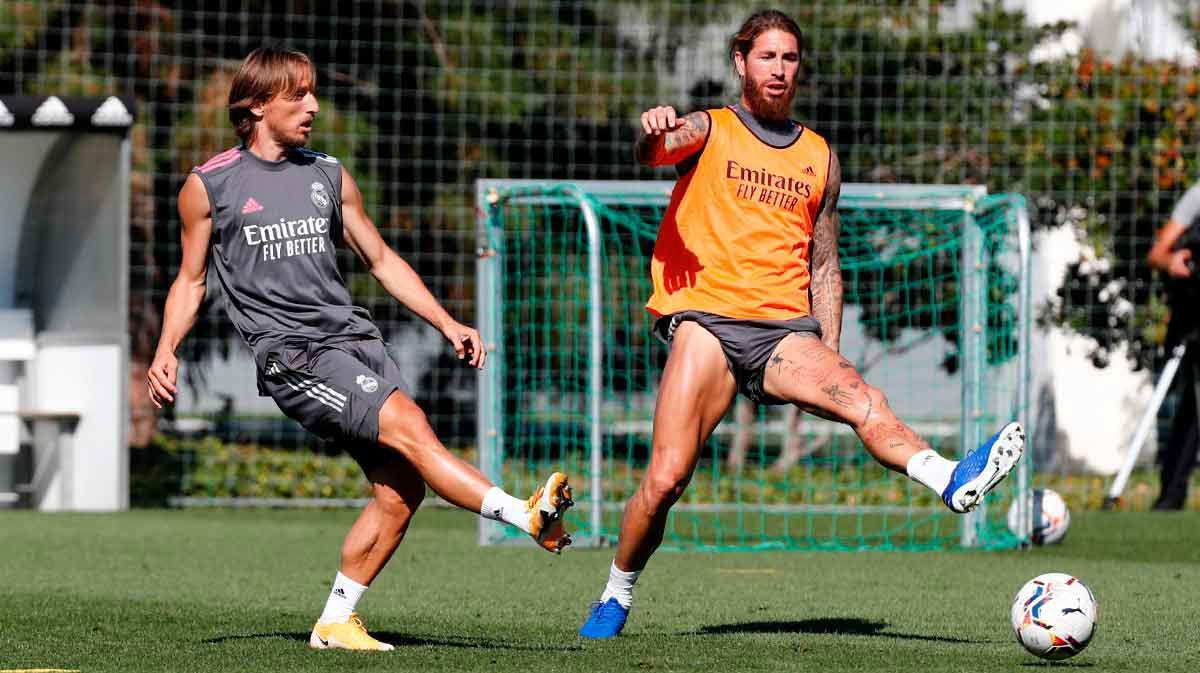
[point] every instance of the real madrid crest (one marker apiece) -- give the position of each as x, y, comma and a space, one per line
368, 383
319, 196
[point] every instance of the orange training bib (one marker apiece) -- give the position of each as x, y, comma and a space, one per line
735, 240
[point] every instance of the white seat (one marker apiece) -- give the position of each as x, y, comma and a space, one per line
10, 425
16, 346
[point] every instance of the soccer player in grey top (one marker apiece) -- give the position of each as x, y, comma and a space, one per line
264, 217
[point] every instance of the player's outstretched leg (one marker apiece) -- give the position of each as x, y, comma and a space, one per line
404, 428
809, 374
695, 392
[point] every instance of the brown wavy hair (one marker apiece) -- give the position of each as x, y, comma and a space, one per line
266, 73
759, 23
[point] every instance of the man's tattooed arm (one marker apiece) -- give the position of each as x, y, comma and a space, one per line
670, 147
826, 287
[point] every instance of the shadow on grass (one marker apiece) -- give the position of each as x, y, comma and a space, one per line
401, 640
842, 626
1071, 664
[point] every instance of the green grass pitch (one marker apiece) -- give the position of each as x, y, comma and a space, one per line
238, 591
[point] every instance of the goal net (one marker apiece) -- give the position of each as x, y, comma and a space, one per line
936, 315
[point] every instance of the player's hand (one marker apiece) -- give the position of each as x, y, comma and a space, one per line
1179, 266
160, 379
659, 120
467, 344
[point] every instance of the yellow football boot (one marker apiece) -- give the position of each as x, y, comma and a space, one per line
350, 635
546, 509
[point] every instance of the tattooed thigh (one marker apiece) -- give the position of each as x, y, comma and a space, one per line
793, 370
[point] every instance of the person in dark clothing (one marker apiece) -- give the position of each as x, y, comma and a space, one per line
1174, 253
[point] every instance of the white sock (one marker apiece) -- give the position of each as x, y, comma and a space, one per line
620, 585
342, 599
500, 506
929, 468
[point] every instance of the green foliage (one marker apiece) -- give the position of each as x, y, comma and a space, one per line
545, 63
209, 467
22, 19
67, 75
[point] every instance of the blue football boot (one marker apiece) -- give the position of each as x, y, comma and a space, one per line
983, 468
606, 620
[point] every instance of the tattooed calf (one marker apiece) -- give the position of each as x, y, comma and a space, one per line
897, 434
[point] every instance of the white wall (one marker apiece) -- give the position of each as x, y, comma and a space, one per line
91, 379
16, 188
1085, 415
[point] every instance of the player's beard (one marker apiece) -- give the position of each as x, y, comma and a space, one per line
290, 136
763, 106
295, 140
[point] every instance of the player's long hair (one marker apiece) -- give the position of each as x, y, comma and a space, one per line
266, 72
759, 23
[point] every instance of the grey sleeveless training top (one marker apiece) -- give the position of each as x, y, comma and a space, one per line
274, 227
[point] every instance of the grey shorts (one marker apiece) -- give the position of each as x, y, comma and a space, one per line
747, 344
334, 389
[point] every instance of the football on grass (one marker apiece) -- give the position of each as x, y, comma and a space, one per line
1054, 616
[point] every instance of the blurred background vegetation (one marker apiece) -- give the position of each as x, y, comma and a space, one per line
420, 98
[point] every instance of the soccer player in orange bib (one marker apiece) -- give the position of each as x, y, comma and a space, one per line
748, 295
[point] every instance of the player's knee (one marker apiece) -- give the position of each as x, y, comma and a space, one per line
877, 403
389, 502
881, 400
398, 506
663, 489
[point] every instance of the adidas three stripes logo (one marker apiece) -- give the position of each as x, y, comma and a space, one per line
311, 387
